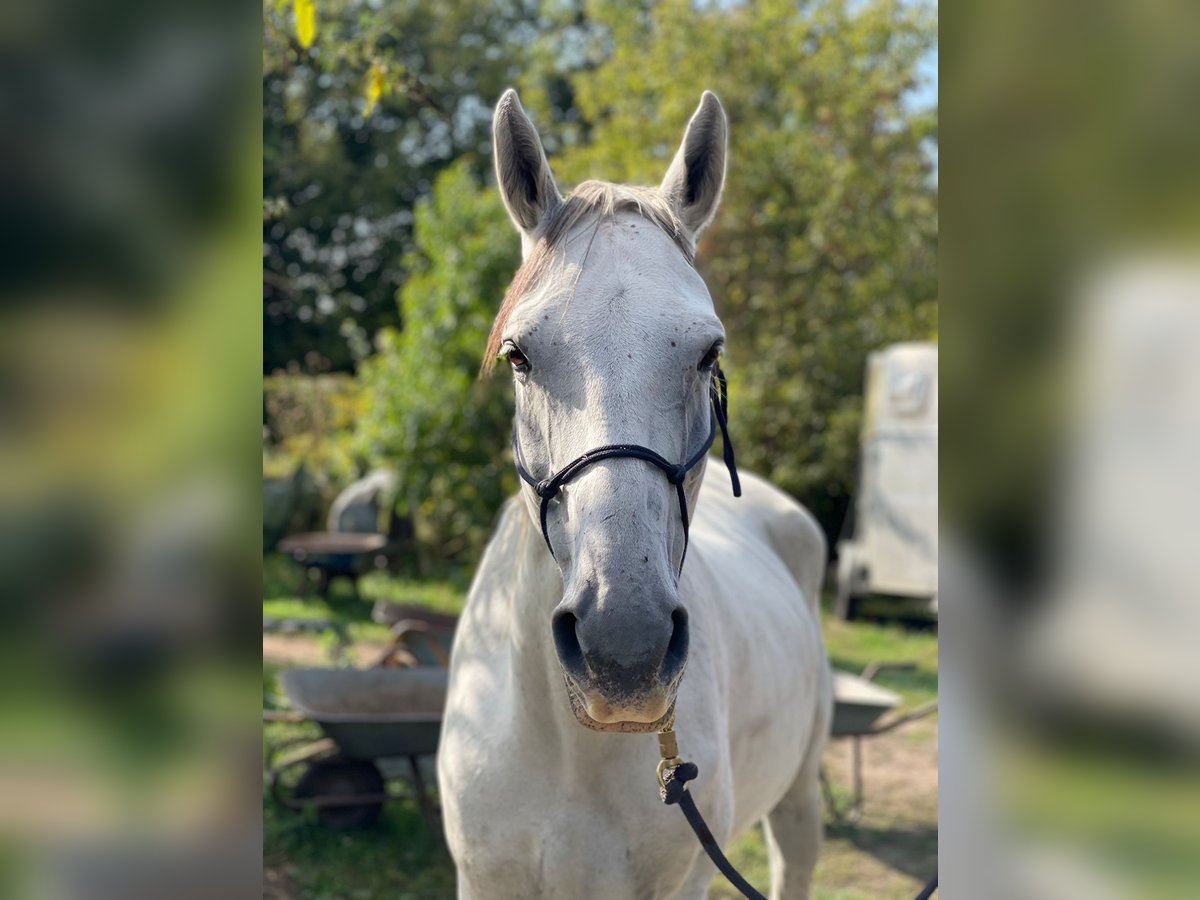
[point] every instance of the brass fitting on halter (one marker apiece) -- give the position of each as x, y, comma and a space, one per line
668, 749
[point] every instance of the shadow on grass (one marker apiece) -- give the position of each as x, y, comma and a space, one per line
286, 587
286, 594
400, 857
900, 613
912, 851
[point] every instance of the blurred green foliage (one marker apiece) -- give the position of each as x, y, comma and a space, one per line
825, 248
427, 409
339, 185
308, 456
309, 421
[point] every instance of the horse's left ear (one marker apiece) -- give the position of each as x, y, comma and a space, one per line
522, 172
693, 182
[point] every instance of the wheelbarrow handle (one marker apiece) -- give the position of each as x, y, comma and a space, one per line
407, 630
874, 668
918, 712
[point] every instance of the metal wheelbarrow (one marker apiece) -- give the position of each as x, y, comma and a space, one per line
858, 712
369, 717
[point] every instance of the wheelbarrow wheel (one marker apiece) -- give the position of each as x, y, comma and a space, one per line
348, 793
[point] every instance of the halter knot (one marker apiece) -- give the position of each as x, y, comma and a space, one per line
676, 779
547, 488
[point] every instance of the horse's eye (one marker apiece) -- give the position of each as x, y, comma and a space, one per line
515, 358
710, 358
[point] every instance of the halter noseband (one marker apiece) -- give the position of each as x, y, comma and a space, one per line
548, 488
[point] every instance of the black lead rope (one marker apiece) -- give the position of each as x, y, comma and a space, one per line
928, 890
548, 488
673, 776
674, 793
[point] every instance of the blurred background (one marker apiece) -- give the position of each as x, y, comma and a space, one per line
129, 202
1070, 293
131, 205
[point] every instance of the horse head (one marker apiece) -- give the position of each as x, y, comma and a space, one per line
613, 342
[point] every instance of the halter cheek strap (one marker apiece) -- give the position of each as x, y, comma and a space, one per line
547, 489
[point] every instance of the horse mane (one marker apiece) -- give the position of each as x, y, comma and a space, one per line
591, 199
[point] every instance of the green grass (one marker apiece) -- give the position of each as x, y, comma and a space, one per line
1132, 810
400, 858
446, 595
285, 597
852, 646
749, 856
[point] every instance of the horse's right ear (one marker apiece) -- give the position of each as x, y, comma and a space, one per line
522, 172
694, 181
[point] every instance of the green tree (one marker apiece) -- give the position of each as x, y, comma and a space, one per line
825, 247
824, 250
356, 128
428, 414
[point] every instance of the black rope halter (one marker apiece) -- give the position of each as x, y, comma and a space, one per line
548, 488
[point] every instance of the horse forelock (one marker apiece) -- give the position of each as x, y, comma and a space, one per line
597, 200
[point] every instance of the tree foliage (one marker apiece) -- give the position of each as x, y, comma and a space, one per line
428, 413
340, 181
824, 249
825, 245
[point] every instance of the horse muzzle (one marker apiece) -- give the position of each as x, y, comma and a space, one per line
622, 672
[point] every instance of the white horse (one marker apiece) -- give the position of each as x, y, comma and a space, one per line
582, 614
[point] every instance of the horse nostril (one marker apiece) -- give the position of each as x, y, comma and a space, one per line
570, 654
677, 649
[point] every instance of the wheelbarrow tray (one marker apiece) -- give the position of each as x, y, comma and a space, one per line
372, 713
858, 704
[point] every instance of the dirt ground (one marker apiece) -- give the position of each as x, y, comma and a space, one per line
295, 650
892, 850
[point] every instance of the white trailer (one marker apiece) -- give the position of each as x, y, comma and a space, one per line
893, 549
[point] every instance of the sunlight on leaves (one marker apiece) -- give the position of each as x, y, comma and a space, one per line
377, 86
306, 22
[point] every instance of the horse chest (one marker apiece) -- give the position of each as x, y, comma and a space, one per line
521, 826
